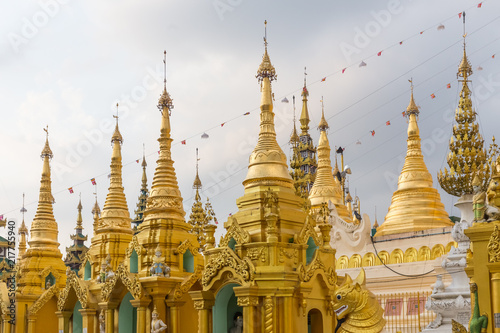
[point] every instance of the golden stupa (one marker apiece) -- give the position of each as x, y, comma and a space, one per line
326, 187
416, 205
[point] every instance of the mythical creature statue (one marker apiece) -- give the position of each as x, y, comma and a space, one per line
159, 268
477, 323
106, 271
357, 308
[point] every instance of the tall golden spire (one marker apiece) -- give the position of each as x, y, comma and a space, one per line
416, 205
143, 196
325, 188
304, 116
115, 216
79, 218
466, 157
44, 227
43, 252
23, 233
96, 213
164, 199
267, 164
294, 137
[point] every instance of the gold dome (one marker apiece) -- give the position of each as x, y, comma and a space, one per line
416, 205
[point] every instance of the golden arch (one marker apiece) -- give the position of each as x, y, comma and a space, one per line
411, 255
342, 262
396, 257
449, 245
384, 257
355, 261
424, 253
368, 260
437, 251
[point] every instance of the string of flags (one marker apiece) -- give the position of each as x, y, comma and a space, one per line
440, 27
323, 79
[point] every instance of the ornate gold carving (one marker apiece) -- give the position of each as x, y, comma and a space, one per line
40, 302
293, 254
494, 245
187, 284
243, 269
235, 231
303, 305
134, 245
130, 280
268, 319
181, 249
257, 252
308, 231
202, 304
47, 270
72, 281
248, 301
307, 272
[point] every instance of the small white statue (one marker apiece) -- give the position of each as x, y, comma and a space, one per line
237, 323
102, 322
106, 271
157, 325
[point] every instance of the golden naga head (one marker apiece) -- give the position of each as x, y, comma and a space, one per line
350, 296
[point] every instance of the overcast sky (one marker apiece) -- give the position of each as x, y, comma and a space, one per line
66, 64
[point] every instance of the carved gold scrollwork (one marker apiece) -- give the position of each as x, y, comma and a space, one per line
181, 249
226, 258
235, 231
292, 254
134, 245
72, 281
494, 245
130, 280
256, 253
187, 284
308, 231
47, 295
307, 272
248, 301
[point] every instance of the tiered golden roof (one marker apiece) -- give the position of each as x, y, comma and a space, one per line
164, 226
466, 157
416, 205
268, 169
326, 187
267, 165
43, 252
113, 230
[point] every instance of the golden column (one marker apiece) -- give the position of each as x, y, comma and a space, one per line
203, 303
141, 305
88, 320
63, 319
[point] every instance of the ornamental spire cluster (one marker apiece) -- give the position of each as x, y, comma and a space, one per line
200, 217
467, 156
143, 196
